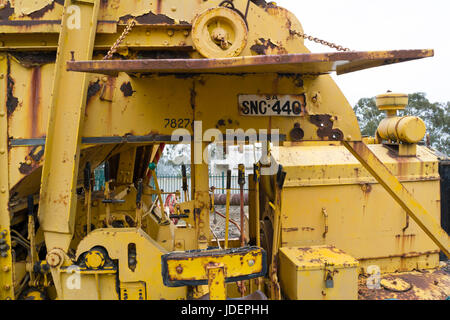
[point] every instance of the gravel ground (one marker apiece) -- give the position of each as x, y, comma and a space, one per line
219, 227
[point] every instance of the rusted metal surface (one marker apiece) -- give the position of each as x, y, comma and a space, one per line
421, 285
11, 100
266, 46
325, 129
152, 19
303, 63
127, 89
34, 59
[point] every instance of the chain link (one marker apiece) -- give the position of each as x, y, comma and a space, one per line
320, 41
122, 37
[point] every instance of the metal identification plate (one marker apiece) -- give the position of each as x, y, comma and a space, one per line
259, 105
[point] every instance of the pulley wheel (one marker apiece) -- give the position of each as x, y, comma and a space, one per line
219, 33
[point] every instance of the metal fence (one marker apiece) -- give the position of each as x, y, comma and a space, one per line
174, 183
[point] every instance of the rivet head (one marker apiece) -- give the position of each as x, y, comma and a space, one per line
2, 151
6, 269
3, 190
2, 114
6, 287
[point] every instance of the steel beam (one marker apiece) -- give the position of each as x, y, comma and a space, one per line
57, 203
6, 272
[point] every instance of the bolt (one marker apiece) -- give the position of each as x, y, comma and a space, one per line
2, 76
2, 151
179, 269
186, 33
170, 33
251, 262
2, 114
53, 259
6, 269
3, 190
6, 287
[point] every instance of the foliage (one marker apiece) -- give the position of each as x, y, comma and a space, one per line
436, 116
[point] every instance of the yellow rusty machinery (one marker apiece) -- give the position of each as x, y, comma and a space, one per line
332, 215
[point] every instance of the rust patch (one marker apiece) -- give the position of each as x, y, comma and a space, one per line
32, 160
93, 89
151, 18
193, 96
290, 229
34, 59
127, 89
366, 188
263, 4
296, 78
158, 6
11, 100
425, 285
41, 12
308, 229
6, 12
325, 124
267, 47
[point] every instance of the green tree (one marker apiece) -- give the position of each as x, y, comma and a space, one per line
436, 116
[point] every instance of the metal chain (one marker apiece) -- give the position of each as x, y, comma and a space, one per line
320, 41
124, 34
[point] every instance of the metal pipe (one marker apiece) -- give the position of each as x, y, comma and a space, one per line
241, 182
227, 208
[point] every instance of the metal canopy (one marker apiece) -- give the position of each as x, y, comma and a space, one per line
303, 63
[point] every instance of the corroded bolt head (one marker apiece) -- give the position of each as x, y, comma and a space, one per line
54, 259
179, 269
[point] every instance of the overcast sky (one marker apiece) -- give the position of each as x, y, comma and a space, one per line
383, 25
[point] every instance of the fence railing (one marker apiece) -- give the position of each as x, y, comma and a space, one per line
172, 183
169, 183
